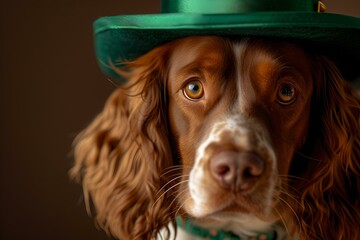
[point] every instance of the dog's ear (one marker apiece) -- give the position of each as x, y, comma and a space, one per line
329, 207
120, 158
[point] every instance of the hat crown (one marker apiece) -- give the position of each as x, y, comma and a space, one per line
236, 6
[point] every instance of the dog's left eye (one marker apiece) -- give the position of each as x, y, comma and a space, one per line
194, 90
286, 94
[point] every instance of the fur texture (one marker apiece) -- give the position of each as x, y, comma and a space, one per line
134, 167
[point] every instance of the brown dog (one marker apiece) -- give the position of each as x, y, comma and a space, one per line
235, 134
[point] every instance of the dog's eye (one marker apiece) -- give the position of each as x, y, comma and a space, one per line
286, 94
194, 90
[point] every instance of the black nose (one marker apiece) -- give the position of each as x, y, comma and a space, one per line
237, 171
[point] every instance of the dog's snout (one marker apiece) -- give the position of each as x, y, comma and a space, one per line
236, 171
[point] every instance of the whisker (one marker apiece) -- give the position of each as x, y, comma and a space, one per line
176, 197
308, 157
287, 185
290, 196
282, 219
171, 169
181, 206
295, 189
165, 185
296, 216
168, 191
292, 177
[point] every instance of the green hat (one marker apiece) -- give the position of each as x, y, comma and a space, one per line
126, 37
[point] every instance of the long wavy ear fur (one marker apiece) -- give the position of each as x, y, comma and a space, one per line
120, 156
329, 207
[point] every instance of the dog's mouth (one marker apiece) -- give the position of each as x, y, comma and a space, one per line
228, 204
235, 216
235, 207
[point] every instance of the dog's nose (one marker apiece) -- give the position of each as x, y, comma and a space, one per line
236, 171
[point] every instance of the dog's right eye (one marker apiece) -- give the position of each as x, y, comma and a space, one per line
286, 94
194, 90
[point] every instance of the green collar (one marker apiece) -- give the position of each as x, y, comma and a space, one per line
215, 234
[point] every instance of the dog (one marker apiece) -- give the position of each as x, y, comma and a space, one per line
234, 134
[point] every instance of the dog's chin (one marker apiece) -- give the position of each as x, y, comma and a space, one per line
239, 223
235, 218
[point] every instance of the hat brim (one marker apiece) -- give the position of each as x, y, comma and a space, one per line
126, 37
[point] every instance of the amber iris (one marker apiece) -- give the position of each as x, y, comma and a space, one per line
194, 90
286, 93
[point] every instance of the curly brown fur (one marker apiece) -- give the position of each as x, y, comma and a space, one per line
121, 157
329, 203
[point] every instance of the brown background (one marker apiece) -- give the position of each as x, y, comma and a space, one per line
50, 88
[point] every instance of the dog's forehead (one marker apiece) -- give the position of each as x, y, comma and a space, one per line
205, 51
212, 51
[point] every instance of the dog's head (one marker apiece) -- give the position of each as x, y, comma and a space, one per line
237, 134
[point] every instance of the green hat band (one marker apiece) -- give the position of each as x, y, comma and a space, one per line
236, 6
